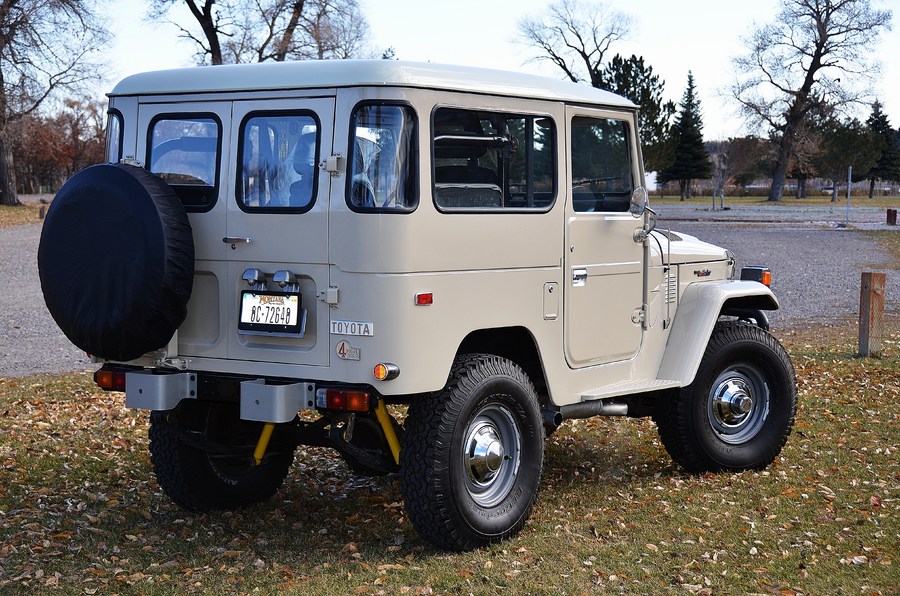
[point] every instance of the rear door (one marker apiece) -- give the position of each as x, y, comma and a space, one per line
247, 173
184, 144
276, 231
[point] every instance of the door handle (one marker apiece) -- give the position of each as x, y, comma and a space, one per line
579, 277
235, 240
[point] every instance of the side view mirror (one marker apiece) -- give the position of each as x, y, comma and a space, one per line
639, 207
639, 199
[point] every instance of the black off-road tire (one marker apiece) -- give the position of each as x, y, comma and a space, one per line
705, 428
116, 261
199, 479
473, 455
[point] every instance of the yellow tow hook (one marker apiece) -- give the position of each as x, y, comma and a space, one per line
384, 419
263, 442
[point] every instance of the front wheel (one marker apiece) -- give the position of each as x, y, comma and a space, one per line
739, 411
473, 455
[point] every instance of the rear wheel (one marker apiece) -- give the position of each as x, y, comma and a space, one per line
472, 460
202, 456
739, 411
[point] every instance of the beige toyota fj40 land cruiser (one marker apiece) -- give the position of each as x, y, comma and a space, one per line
341, 238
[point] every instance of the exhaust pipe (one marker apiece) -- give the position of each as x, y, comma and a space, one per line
552, 420
589, 409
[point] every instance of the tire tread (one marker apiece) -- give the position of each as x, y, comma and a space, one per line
424, 471
675, 418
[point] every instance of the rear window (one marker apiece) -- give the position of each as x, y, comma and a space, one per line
383, 159
113, 136
493, 161
277, 170
184, 151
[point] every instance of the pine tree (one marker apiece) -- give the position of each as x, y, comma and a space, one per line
888, 165
690, 157
631, 78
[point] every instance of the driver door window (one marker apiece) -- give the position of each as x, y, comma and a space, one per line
601, 165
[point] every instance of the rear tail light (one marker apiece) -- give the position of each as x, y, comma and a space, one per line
110, 380
348, 400
761, 274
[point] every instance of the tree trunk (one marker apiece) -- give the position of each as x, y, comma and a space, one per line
7, 173
871, 187
287, 38
801, 187
682, 189
834, 189
781, 162
207, 22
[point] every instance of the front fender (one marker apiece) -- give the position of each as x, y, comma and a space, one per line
698, 310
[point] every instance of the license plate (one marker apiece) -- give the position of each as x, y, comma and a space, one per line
270, 312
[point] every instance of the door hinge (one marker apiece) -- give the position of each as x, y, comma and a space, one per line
129, 160
639, 316
329, 296
333, 165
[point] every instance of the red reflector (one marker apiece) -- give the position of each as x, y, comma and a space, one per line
424, 299
110, 380
351, 401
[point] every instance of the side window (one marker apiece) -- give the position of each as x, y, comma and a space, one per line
279, 153
493, 161
113, 136
184, 151
383, 159
601, 164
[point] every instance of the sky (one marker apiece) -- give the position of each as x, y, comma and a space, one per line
701, 36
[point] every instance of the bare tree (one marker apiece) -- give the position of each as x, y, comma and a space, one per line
577, 37
236, 31
796, 65
44, 47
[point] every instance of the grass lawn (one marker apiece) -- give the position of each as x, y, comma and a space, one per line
26, 213
80, 512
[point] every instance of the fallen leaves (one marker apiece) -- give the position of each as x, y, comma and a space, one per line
79, 507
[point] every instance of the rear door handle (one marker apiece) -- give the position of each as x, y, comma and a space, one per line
235, 240
579, 277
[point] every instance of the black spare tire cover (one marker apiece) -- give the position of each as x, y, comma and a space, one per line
116, 261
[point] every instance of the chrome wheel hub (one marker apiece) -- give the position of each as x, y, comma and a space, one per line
738, 404
732, 400
491, 453
485, 453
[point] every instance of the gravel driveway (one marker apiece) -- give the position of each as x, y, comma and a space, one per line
31, 341
816, 272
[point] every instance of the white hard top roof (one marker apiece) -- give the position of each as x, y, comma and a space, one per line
356, 73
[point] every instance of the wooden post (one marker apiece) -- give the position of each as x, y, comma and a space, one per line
871, 313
